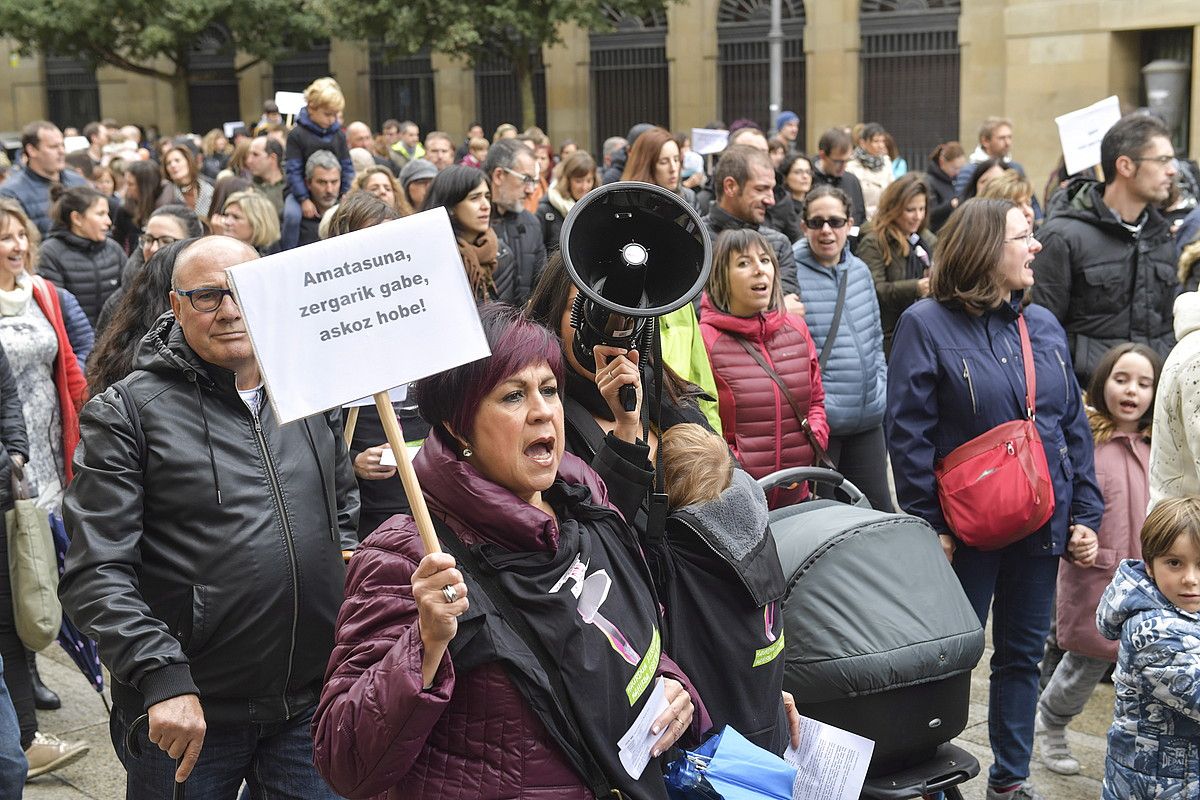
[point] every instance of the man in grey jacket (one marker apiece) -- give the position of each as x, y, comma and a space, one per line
207, 551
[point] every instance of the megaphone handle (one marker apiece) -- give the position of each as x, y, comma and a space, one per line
628, 396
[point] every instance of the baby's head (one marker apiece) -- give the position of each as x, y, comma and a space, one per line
1171, 550
478, 147
697, 465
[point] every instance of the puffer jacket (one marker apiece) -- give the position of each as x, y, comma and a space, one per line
89, 270
523, 235
306, 138
954, 376
216, 569
718, 220
1175, 449
1105, 284
757, 420
471, 735
13, 438
32, 191
1154, 741
1121, 470
855, 376
552, 217
941, 195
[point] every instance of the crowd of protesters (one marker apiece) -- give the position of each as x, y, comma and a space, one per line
859, 315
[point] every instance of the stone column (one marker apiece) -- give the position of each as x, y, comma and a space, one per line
981, 64
454, 94
692, 63
350, 65
24, 95
831, 49
568, 87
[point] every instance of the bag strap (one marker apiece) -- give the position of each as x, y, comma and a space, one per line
822, 457
135, 421
592, 771
837, 320
1030, 372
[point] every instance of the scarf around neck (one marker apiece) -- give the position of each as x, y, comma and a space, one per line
479, 259
560, 204
871, 162
14, 303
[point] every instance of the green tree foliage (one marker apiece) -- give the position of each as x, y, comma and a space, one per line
512, 29
155, 37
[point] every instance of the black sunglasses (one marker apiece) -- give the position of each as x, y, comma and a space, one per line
816, 223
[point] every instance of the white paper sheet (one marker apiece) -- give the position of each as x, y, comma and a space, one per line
638, 741
707, 141
831, 763
1080, 133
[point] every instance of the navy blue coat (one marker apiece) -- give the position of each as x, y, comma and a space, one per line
954, 376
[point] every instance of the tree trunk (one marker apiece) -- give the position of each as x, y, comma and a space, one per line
523, 68
183, 104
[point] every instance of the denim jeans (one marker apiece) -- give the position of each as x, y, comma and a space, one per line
275, 761
1019, 589
13, 766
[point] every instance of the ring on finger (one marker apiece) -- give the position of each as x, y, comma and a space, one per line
450, 593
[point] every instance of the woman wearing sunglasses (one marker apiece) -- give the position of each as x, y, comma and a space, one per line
842, 313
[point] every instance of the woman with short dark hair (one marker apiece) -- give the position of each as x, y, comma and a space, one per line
429, 678
957, 372
466, 195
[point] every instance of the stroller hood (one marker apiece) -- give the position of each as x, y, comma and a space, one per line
872, 605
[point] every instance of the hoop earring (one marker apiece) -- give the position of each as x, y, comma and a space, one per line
468, 452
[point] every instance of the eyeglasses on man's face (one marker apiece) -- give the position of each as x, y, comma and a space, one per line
528, 180
206, 299
1162, 161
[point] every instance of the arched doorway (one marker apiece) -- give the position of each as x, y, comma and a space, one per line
910, 72
629, 74
743, 60
212, 80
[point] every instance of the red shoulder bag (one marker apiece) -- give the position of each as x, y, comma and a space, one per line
996, 488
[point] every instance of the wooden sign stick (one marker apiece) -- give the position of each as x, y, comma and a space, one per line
416, 500
351, 424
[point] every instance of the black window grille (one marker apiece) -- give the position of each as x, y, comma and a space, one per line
402, 88
72, 94
743, 61
212, 80
629, 78
297, 71
910, 72
498, 97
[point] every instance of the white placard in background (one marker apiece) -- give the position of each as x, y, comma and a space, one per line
1081, 132
706, 141
73, 144
357, 314
230, 127
290, 103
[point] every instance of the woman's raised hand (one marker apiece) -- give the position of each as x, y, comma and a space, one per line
616, 367
441, 598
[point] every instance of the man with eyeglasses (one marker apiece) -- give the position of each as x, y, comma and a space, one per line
1107, 266
829, 167
207, 551
513, 171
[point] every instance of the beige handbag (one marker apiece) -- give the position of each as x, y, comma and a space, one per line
32, 568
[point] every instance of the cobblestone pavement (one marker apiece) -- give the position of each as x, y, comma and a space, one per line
99, 776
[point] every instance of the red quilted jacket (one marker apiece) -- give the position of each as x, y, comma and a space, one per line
471, 736
756, 418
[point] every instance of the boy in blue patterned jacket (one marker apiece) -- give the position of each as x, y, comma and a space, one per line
1153, 607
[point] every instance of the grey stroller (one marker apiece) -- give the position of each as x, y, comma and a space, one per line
881, 640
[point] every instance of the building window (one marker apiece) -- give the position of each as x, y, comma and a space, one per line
498, 97
629, 78
743, 61
402, 88
297, 71
910, 72
72, 94
212, 80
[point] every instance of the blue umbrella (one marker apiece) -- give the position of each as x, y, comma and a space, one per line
732, 768
83, 651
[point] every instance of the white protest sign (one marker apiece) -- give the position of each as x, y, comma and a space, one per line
1081, 131
74, 144
706, 141
230, 127
290, 103
358, 314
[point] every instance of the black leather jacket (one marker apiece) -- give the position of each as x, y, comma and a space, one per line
216, 568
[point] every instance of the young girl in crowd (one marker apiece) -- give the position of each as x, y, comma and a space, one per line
1153, 607
1122, 406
